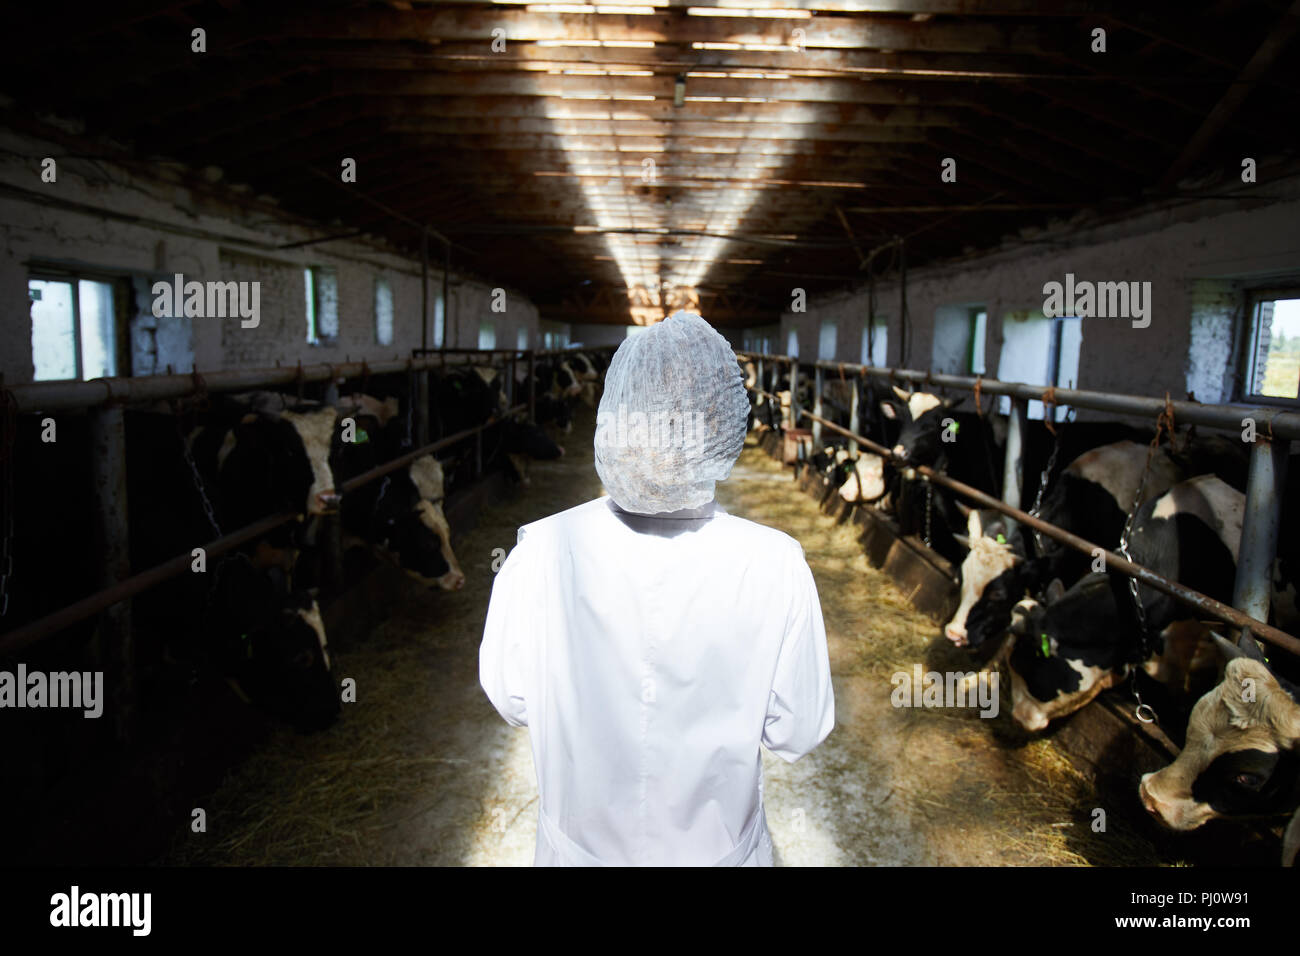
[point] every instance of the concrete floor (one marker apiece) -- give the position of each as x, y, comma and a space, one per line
422, 771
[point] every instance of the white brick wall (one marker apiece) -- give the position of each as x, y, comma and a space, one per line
1197, 257
204, 240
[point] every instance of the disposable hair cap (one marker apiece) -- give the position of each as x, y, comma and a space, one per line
672, 418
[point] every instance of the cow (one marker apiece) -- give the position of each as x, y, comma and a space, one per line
237, 616
272, 645
932, 434
1242, 751
399, 516
1091, 498
1080, 641
525, 442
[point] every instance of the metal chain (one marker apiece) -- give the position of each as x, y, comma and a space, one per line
8, 437
195, 477
929, 508
1043, 479
1164, 422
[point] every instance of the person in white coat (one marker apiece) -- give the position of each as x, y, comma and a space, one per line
650, 641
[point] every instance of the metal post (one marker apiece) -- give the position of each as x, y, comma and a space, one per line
761, 384
1264, 490
116, 649
421, 399
854, 423
532, 384
424, 290
794, 393
817, 408
1013, 479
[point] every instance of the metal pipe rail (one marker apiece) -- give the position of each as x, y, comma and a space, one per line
111, 393
1201, 602
66, 395
92, 604
1271, 422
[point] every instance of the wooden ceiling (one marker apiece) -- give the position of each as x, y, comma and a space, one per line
543, 139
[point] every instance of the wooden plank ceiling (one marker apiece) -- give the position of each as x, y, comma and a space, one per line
809, 132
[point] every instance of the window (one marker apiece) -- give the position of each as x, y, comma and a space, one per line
383, 312
487, 334
73, 329
792, 344
439, 320
322, 288
826, 341
1273, 356
875, 343
979, 320
1039, 351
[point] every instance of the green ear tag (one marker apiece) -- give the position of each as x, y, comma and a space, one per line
1002, 539
955, 427
362, 436
1046, 646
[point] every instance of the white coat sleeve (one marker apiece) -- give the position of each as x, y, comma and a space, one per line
506, 654
801, 705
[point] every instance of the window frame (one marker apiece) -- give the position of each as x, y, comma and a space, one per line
73, 276
314, 336
1250, 337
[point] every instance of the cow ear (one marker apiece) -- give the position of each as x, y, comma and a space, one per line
962, 540
1055, 591
1243, 700
903, 395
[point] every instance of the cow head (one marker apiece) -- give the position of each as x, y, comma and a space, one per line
274, 645
1242, 754
865, 479
990, 556
1067, 650
920, 416
315, 429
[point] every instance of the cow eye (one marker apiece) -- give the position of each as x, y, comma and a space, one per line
1251, 781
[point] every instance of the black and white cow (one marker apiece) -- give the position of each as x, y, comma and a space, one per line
1241, 757
1080, 641
237, 616
1091, 498
400, 515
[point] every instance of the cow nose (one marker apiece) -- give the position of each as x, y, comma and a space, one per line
900, 452
1030, 718
956, 634
1148, 801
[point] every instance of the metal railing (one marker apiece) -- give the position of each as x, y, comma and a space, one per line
1274, 429
106, 397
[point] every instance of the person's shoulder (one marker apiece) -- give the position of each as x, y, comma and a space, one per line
577, 515
759, 535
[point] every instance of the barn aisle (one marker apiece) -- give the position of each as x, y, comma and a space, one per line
422, 771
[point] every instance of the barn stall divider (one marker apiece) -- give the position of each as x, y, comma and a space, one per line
1106, 732
106, 399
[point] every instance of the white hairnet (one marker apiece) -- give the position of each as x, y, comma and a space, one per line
672, 418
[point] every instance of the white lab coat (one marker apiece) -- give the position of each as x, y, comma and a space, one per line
649, 656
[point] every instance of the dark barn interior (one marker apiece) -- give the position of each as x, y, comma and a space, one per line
311, 306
